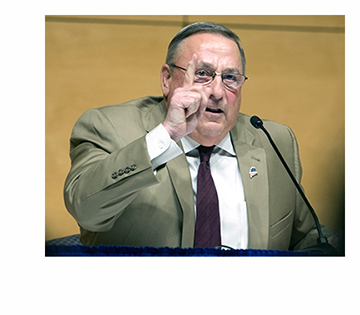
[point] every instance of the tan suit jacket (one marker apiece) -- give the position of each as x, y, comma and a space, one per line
115, 197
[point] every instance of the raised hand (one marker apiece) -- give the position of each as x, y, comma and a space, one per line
186, 105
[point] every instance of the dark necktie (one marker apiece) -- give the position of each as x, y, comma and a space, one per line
207, 227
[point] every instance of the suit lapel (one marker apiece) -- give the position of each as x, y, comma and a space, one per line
179, 173
180, 177
256, 187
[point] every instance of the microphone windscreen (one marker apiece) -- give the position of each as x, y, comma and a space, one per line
256, 122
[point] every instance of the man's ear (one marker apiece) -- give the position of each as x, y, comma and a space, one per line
165, 76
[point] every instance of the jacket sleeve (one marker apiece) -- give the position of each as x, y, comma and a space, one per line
106, 174
304, 232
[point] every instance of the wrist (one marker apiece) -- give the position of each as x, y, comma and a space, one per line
171, 131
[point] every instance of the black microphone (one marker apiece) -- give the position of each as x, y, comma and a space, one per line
324, 246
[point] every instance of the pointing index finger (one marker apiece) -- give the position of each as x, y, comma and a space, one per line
190, 72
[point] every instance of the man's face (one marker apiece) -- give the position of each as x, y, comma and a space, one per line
219, 54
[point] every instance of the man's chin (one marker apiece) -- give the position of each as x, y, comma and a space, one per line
209, 132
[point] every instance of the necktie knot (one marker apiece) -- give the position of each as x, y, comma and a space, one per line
205, 152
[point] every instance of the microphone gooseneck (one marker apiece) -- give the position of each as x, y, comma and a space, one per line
258, 124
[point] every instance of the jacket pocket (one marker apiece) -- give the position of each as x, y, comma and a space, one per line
281, 225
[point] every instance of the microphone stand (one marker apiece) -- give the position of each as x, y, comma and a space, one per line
323, 247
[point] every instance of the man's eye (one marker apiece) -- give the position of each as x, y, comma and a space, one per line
202, 73
230, 77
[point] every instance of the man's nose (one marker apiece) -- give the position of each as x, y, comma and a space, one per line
217, 87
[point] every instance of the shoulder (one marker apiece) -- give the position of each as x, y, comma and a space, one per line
277, 131
133, 110
144, 104
119, 123
282, 135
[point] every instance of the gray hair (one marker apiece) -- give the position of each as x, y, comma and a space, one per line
202, 27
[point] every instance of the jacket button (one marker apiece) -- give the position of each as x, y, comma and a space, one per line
114, 175
133, 167
127, 170
120, 172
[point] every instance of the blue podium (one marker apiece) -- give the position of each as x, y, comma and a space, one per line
71, 246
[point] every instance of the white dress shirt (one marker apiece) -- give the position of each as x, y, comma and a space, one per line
226, 175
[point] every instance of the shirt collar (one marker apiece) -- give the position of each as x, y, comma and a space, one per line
225, 144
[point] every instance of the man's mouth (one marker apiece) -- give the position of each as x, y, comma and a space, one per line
213, 110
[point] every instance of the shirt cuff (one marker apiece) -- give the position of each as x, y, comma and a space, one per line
161, 147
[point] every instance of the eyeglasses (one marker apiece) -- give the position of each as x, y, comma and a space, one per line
206, 76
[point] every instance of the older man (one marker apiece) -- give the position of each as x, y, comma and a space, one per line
187, 169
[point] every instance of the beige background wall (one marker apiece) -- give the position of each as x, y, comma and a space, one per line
296, 70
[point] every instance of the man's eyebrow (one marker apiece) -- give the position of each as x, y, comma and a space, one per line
231, 70
206, 65
203, 64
